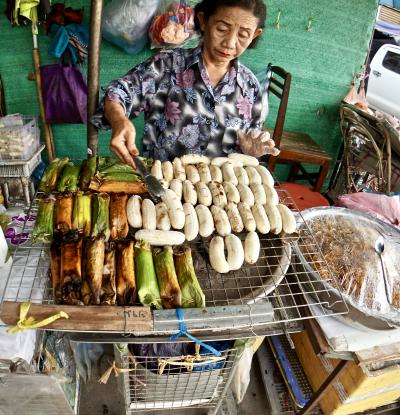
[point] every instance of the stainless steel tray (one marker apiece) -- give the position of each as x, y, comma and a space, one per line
328, 290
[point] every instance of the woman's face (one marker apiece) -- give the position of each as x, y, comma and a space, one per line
228, 33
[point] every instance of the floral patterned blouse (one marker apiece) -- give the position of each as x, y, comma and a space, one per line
183, 112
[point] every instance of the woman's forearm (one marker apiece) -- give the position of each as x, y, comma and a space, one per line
114, 112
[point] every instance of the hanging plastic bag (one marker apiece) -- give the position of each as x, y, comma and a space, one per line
173, 26
241, 377
64, 94
126, 23
87, 359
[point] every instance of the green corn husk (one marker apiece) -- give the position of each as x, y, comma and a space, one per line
110, 168
43, 229
100, 215
146, 278
69, 178
113, 169
81, 213
170, 292
192, 294
49, 179
87, 171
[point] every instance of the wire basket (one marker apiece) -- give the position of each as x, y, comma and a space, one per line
264, 298
162, 383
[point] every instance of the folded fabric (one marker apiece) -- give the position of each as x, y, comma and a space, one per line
72, 38
386, 208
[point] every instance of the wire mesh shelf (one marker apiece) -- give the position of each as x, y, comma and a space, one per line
21, 168
263, 298
162, 383
279, 398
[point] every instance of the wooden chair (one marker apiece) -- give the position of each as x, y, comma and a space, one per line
296, 148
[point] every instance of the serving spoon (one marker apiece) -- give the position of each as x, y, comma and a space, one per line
379, 248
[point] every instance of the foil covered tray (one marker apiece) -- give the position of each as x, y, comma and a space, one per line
347, 240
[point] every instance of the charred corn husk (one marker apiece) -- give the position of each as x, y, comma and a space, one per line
71, 272
68, 180
114, 176
118, 219
100, 215
147, 284
125, 278
115, 186
192, 294
94, 263
86, 292
55, 271
49, 179
87, 171
108, 288
81, 213
167, 280
43, 229
64, 205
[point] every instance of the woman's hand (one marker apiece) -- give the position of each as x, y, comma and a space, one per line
123, 141
256, 143
123, 132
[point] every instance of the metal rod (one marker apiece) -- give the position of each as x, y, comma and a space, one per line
48, 134
93, 73
234, 367
316, 397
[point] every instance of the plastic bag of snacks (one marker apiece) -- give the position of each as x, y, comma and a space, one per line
126, 23
173, 25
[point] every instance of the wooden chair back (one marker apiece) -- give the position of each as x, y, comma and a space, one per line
279, 85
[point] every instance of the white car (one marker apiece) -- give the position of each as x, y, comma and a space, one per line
383, 91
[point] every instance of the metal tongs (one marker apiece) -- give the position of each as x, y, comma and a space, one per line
153, 185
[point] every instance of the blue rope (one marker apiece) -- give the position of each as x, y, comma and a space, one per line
183, 332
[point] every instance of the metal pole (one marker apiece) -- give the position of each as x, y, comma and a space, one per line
93, 73
214, 411
316, 397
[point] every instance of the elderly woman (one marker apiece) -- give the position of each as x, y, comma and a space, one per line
199, 100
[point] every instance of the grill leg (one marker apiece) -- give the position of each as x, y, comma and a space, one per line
25, 187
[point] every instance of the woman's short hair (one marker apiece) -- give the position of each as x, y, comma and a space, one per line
210, 7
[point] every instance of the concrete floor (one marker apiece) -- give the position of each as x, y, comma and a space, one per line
99, 399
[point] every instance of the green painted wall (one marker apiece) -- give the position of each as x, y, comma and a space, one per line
322, 62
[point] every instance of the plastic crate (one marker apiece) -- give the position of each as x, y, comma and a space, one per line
19, 137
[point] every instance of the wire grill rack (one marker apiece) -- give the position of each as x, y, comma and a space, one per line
271, 292
149, 383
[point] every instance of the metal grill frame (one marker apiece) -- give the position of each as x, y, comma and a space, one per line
273, 303
174, 389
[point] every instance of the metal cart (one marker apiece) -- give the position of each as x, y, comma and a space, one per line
267, 298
